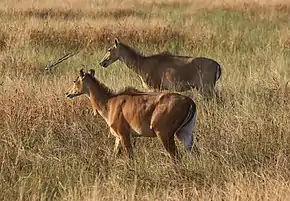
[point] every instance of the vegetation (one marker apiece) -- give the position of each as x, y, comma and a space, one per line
53, 148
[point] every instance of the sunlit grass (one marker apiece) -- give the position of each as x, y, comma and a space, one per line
53, 148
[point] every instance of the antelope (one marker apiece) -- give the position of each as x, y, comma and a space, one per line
133, 113
166, 71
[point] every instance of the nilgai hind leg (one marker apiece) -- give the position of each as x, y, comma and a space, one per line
165, 132
169, 144
117, 150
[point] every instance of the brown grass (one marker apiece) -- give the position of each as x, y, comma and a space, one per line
3, 40
103, 35
52, 148
71, 14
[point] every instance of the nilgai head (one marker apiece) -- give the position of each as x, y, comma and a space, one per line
79, 87
111, 55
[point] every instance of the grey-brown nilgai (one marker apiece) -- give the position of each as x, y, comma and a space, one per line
132, 113
165, 70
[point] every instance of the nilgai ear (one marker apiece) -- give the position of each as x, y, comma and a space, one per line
92, 72
82, 73
116, 42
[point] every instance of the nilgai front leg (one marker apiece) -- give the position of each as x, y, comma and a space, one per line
125, 139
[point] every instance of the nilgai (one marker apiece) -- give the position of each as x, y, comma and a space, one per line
165, 70
132, 113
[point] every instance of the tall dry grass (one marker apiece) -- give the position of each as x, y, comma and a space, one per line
52, 148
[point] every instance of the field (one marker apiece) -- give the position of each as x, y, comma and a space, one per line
53, 148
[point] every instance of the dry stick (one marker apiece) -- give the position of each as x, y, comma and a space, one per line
65, 57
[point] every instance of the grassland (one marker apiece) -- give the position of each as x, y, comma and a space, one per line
52, 148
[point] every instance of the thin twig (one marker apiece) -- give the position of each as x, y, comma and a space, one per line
65, 57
